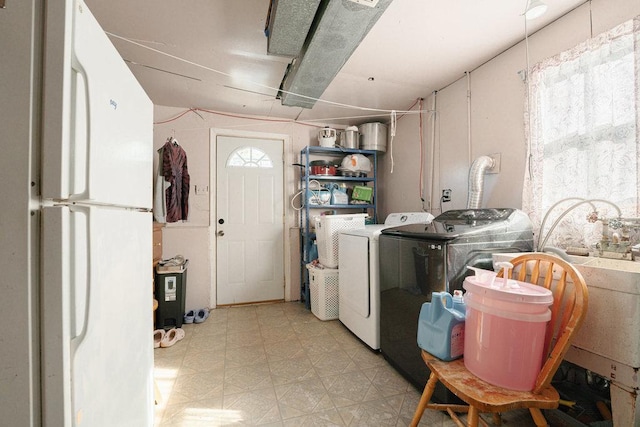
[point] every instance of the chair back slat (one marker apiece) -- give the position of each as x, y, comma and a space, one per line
549, 277
570, 301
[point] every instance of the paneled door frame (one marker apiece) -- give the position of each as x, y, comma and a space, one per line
287, 177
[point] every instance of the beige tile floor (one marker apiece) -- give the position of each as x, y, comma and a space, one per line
278, 365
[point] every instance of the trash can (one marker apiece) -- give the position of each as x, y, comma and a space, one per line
170, 290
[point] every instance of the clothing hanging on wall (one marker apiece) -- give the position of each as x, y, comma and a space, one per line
160, 189
176, 182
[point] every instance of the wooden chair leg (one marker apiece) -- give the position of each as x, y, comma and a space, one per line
538, 418
472, 417
455, 418
424, 400
497, 419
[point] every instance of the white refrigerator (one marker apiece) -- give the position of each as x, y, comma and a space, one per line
76, 135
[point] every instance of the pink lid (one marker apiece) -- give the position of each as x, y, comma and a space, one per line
513, 290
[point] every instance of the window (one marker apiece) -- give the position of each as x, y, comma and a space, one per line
583, 132
249, 157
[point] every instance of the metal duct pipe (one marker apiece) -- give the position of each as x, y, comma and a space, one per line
288, 23
476, 181
337, 29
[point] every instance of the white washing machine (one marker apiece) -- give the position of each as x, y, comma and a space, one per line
359, 278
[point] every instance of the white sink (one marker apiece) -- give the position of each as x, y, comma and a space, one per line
612, 323
609, 342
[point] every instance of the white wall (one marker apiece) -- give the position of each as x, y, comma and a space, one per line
497, 126
405, 150
497, 118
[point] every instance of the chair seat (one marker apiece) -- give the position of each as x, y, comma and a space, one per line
482, 395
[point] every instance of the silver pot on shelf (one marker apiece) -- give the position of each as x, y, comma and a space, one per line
373, 136
350, 138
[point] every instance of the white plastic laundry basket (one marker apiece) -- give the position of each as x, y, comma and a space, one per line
328, 229
323, 289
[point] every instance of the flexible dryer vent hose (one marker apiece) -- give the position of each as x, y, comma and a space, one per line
476, 181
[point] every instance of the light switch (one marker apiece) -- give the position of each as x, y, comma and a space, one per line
202, 189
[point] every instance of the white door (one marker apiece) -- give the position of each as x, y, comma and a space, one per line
249, 220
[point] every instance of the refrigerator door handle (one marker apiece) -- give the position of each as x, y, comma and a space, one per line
80, 331
56, 315
85, 108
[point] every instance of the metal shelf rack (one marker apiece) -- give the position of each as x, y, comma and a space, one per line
307, 154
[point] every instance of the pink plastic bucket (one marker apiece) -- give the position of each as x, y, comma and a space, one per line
505, 331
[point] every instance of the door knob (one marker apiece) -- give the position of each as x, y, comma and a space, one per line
220, 233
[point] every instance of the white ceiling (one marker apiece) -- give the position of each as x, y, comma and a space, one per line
212, 54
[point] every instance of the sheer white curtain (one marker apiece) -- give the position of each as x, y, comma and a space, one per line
584, 133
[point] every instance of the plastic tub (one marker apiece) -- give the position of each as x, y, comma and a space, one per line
505, 331
323, 289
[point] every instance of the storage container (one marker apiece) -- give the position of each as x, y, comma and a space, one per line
373, 136
505, 330
350, 138
328, 228
318, 197
363, 193
323, 289
441, 326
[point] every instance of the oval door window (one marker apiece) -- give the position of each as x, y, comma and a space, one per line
249, 157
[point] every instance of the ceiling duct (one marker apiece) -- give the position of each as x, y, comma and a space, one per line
288, 24
339, 27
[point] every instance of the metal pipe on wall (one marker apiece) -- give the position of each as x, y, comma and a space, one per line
433, 148
468, 116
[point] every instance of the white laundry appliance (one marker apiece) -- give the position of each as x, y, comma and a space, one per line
359, 278
76, 225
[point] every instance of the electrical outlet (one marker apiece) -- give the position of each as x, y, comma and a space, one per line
202, 189
497, 159
446, 195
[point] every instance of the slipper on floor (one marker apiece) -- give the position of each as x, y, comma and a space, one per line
169, 339
158, 335
189, 316
180, 333
201, 315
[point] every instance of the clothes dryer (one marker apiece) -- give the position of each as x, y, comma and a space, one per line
359, 283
